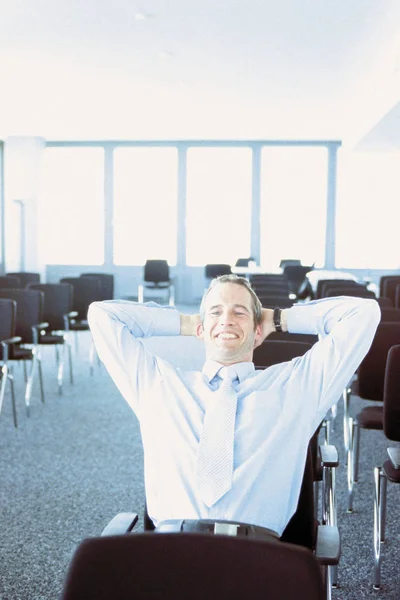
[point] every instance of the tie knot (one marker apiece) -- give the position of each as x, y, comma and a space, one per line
227, 374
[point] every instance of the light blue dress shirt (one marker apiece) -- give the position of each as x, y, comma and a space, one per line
278, 409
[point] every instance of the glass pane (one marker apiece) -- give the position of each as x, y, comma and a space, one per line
368, 210
71, 206
293, 205
218, 205
145, 205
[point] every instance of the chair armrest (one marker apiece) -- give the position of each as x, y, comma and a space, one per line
70, 316
121, 523
14, 340
329, 455
36, 330
327, 550
9, 342
394, 456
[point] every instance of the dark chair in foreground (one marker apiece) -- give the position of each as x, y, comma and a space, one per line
25, 278
302, 530
244, 262
8, 315
29, 323
390, 470
195, 566
86, 291
369, 386
156, 276
58, 313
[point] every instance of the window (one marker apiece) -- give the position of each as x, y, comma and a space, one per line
71, 206
218, 218
368, 210
293, 205
145, 205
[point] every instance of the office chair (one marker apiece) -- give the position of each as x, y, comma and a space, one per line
156, 276
383, 281
244, 262
29, 323
7, 282
58, 313
196, 566
86, 291
25, 278
369, 386
8, 316
302, 530
296, 274
106, 284
338, 282
390, 470
212, 270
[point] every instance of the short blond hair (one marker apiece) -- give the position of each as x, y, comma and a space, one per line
231, 278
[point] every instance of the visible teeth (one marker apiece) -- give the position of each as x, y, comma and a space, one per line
227, 336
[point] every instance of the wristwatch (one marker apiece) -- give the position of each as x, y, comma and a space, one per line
277, 319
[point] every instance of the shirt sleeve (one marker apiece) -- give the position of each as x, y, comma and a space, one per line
119, 329
346, 327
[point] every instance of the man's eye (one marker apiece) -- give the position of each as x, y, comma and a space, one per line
215, 313
238, 312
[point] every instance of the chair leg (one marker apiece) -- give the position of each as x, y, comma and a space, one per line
41, 378
356, 450
350, 466
71, 374
5, 376
333, 417
28, 389
346, 412
383, 506
25, 371
379, 510
60, 371
14, 408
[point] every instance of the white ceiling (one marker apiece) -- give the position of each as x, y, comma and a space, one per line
125, 69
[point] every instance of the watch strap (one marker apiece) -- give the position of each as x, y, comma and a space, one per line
277, 319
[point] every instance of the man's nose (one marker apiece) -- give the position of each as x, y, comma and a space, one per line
227, 317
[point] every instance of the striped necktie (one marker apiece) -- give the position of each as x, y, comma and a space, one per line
215, 456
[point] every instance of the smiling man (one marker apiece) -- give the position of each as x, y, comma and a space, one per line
214, 438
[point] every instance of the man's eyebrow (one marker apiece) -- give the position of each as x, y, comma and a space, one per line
234, 306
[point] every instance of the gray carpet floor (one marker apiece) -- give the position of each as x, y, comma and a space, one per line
77, 461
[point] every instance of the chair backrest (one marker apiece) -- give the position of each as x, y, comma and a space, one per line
322, 282
10, 282
213, 270
272, 352
8, 315
86, 291
156, 271
58, 301
384, 279
390, 314
26, 278
195, 566
270, 301
244, 262
391, 395
385, 302
29, 311
106, 284
356, 292
389, 288
295, 275
289, 262
371, 372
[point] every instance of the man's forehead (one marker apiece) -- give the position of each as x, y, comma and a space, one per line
229, 293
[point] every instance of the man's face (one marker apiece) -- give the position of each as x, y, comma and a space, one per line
228, 328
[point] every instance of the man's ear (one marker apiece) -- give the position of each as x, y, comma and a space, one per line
258, 337
200, 331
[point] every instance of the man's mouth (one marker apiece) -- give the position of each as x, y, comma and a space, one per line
227, 336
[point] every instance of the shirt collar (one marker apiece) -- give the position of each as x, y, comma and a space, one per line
211, 368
